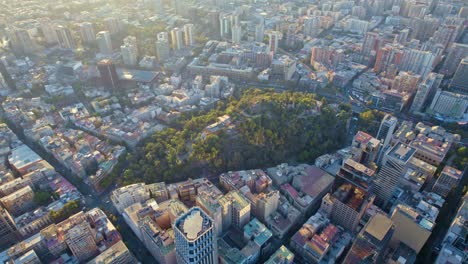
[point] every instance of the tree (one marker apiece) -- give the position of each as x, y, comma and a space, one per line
42, 198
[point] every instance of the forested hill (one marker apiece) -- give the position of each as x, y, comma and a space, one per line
264, 128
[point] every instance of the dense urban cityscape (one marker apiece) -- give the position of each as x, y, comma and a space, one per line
234, 131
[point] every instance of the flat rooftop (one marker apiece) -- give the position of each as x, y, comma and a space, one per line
350, 195
136, 75
379, 226
23, 156
402, 152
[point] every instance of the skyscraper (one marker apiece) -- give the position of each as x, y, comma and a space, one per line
177, 39
456, 54
21, 41
113, 25
108, 74
195, 238
236, 34
8, 230
129, 56
259, 32
425, 92
65, 38
386, 129
188, 33
274, 36
162, 46
48, 30
104, 42
460, 79
87, 33
225, 25
394, 162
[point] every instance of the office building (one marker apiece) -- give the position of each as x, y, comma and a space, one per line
125, 196
195, 238
8, 230
65, 38
412, 226
394, 162
371, 243
87, 33
355, 173
210, 202
108, 74
236, 34
259, 32
177, 38
48, 30
460, 79
386, 129
425, 92
449, 178
225, 25
283, 68
457, 53
104, 42
188, 33
80, 240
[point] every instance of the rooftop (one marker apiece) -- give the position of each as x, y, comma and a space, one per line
194, 223
136, 75
379, 226
282, 255
452, 172
402, 152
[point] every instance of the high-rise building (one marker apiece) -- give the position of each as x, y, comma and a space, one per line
162, 46
21, 41
346, 205
426, 91
274, 38
225, 25
6, 76
235, 210
460, 79
104, 42
456, 54
129, 57
236, 34
417, 61
389, 55
373, 240
365, 148
195, 238
65, 38
159, 242
80, 240
125, 196
158, 7
177, 38
113, 25
48, 30
394, 162
115, 254
87, 33
386, 129
8, 230
129, 51
259, 32
108, 74
188, 33
406, 82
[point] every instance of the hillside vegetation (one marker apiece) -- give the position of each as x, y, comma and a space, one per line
266, 128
